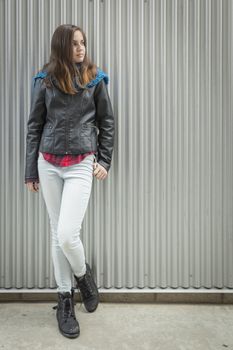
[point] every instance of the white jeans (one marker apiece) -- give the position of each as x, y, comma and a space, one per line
66, 192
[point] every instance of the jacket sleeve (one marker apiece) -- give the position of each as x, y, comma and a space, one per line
106, 125
35, 126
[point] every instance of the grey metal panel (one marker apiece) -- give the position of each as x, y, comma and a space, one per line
163, 218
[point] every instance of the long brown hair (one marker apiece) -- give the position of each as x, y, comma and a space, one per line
61, 65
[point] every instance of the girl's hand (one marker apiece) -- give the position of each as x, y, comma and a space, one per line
33, 186
99, 171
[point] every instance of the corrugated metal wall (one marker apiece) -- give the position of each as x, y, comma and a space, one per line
164, 216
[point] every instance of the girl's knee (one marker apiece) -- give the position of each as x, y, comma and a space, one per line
68, 239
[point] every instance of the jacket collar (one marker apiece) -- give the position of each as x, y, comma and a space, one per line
99, 76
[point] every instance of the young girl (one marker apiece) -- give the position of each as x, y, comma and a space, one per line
70, 138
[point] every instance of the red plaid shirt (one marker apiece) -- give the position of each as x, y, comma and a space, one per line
62, 160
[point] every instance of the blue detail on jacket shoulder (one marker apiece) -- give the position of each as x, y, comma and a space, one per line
99, 76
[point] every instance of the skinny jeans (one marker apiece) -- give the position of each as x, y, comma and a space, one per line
66, 192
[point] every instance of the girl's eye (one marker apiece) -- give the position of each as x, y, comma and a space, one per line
82, 43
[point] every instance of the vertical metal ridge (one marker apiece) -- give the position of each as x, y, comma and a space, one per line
140, 170
8, 194
196, 147
162, 152
173, 229
208, 172
132, 158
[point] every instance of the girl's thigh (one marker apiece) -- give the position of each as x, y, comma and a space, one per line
76, 194
51, 186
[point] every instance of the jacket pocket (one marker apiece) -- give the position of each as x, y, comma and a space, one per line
47, 139
88, 136
48, 131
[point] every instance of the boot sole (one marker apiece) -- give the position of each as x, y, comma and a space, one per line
69, 335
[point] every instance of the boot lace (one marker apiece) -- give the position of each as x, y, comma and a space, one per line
86, 287
67, 306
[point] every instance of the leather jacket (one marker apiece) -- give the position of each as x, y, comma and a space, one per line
61, 123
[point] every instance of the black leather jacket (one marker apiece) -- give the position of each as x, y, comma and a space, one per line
61, 123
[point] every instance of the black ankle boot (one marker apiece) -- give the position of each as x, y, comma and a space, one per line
67, 323
88, 290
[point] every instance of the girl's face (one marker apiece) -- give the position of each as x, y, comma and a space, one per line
79, 49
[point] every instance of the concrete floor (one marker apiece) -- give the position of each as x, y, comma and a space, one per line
121, 326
